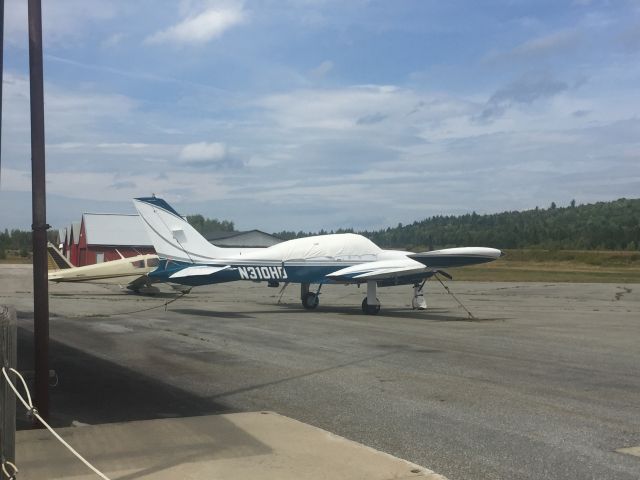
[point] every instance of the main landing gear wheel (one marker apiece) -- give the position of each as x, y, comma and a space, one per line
310, 301
370, 309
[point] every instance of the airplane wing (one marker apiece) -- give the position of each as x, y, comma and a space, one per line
456, 257
422, 264
381, 270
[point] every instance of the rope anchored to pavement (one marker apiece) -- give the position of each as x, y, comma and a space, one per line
14, 470
28, 404
455, 298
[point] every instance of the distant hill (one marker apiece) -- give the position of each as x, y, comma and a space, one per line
600, 226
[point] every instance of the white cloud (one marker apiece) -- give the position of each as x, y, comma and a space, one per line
72, 117
86, 184
201, 28
203, 153
524, 90
379, 111
548, 44
322, 69
114, 40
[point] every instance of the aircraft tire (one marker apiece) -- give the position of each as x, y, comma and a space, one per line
310, 301
370, 309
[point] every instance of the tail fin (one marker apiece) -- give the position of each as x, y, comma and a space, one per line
171, 235
57, 260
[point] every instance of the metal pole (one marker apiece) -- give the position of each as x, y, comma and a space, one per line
8, 346
39, 226
1, 77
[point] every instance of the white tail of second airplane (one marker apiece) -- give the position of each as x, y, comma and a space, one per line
172, 236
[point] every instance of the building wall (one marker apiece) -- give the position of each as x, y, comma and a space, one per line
90, 254
81, 254
73, 254
87, 254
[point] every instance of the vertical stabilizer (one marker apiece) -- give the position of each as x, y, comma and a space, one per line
172, 236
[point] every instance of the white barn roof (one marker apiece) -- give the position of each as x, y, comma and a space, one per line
115, 230
62, 235
75, 232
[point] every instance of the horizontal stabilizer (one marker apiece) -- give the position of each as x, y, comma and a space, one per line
198, 270
57, 261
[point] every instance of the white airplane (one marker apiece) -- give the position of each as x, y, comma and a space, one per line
186, 257
129, 272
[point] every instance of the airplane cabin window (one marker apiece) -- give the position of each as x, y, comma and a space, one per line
152, 262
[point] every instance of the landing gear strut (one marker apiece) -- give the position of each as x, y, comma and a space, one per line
310, 300
371, 304
418, 302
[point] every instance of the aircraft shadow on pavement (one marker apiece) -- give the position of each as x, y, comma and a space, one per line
85, 295
431, 314
95, 391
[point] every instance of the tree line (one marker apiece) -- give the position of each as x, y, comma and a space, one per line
19, 242
599, 226
611, 225
208, 225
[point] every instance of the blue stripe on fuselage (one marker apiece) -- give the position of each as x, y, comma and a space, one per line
257, 273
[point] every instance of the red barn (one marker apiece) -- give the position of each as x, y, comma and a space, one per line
104, 236
72, 243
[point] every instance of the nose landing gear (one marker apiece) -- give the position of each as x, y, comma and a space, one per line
418, 302
371, 304
370, 309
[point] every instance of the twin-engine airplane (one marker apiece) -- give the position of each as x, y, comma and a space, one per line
186, 257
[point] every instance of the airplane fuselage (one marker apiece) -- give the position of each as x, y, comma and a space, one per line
115, 272
258, 267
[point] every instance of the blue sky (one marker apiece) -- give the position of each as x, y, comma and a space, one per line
313, 114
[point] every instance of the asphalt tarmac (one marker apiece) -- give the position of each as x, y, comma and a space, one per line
545, 384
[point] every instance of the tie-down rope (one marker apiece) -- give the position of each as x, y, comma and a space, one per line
28, 404
455, 298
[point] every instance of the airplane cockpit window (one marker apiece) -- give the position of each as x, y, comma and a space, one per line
152, 262
138, 264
